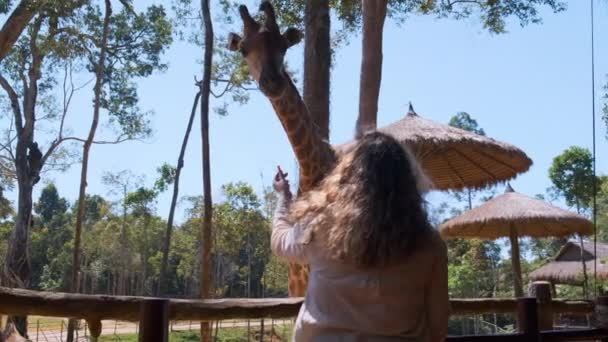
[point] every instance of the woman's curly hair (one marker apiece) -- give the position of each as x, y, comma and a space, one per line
369, 210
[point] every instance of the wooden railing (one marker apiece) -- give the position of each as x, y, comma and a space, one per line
535, 315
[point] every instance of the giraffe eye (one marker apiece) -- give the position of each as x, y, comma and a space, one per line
243, 51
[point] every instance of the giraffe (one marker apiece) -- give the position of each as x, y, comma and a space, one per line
10, 334
263, 48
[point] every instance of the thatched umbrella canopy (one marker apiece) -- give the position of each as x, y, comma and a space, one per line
454, 158
513, 214
566, 267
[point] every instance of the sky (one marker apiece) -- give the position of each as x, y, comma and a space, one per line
530, 87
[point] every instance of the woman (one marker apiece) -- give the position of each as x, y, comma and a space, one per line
378, 270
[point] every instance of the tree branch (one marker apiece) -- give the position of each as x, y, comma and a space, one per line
14, 98
8, 149
31, 93
14, 26
58, 142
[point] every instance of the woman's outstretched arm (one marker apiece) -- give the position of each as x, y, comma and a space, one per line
284, 240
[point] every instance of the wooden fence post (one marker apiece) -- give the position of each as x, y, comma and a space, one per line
154, 320
601, 311
527, 316
542, 291
94, 328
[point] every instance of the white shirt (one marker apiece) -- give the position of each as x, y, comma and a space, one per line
405, 302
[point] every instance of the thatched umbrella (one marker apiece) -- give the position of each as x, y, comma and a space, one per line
566, 267
513, 214
454, 158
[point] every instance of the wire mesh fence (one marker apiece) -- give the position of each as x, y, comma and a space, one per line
52, 329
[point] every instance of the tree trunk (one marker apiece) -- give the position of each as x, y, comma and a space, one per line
124, 264
14, 25
585, 278
517, 283
99, 72
162, 280
317, 63
248, 265
207, 215
17, 266
145, 257
28, 163
374, 15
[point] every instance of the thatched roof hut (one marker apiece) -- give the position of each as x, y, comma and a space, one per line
453, 158
566, 266
513, 214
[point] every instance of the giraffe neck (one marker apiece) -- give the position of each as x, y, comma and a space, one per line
314, 154
315, 157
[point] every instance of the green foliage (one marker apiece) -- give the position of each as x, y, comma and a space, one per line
141, 199
166, 176
464, 120
6, 208
50, 204
51, 237
6, 228
122, 241
136, 44
602, 208
276, 277
543, 250
242, 241
5, 6
572, 176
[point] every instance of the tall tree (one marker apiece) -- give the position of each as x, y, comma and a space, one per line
493, 15
162, 281
27, 77
473, 256
134, 48
99, 68
141, 201
205, 90
572, 176
121, 184
317, 63
374, 15
465, 121
49, 235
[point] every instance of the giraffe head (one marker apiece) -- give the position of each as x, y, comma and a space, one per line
263, 47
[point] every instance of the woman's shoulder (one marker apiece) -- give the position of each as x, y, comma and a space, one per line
433, 243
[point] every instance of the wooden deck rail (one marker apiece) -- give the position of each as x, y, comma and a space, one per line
27, 302
152, 311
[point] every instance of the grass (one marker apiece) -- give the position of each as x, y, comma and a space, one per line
46, 323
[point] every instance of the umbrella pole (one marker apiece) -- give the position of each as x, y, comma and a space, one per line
517, 283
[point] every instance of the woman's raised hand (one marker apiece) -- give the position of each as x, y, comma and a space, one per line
280, 183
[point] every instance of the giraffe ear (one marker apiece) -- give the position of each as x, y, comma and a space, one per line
293, 36
233, 41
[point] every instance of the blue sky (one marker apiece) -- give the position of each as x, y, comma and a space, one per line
530, 87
